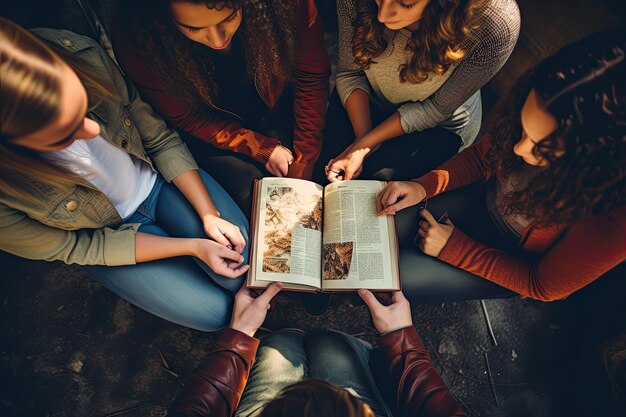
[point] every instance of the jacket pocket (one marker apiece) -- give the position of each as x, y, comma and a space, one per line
79, 209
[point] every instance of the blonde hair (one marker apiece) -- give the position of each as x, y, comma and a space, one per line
29, 92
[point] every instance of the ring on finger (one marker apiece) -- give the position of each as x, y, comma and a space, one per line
327, 170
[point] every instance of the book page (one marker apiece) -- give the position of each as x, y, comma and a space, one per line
289, 232
357, 252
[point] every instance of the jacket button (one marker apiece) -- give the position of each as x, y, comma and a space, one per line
124, 144
128, 122
67, 42
71, 205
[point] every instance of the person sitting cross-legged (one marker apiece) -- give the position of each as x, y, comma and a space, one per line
320, 373
538, 206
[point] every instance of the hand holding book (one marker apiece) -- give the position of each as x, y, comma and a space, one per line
249, 312
390, 316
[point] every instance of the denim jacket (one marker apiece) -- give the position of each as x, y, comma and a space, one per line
77, 223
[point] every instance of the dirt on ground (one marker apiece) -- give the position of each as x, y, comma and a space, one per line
70, 348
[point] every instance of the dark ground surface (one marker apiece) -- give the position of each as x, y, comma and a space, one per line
70, 348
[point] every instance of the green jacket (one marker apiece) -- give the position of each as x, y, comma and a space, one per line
78, 224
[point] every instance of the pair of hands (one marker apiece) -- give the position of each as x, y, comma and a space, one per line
249, 312
223, 253
399, 195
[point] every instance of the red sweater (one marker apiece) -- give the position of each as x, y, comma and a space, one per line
219, 127
556, 261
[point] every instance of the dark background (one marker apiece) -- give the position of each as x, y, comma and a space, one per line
69, 347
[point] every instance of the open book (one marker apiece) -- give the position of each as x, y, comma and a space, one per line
314, 238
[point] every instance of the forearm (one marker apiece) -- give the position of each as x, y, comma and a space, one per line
152, 247
514, 272
388, 129
358, 109
349, 163
420, 389
585, 252
311, 73
25, 237
215, 388
190, 184
309, 109
462, 169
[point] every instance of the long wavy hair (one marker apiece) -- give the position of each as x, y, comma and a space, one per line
268, 36
313, 398
436, 44
30, 70
584, 87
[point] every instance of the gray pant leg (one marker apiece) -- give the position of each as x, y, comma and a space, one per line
428, 280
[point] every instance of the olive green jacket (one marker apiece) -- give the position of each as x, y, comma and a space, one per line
78, 224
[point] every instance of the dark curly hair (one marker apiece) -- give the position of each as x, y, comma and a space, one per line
268, 37
584, 87
436, 44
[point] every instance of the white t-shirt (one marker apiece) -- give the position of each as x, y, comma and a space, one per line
125, 180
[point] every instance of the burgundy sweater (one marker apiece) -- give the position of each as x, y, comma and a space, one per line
222, 128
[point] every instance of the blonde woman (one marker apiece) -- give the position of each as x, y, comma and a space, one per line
409, 77
89, 175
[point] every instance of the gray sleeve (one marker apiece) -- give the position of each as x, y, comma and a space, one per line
349, 75
495, 39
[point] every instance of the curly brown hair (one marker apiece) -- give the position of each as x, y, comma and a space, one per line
584, 87
268, 37
436, 44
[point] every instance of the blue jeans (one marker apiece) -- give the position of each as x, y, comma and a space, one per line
287, 356
183, 290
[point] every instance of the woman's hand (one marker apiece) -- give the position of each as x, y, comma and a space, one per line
399, 195
223, 232
219, 258
348, 165
280, 159
387, 318
433, 235
249, 312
